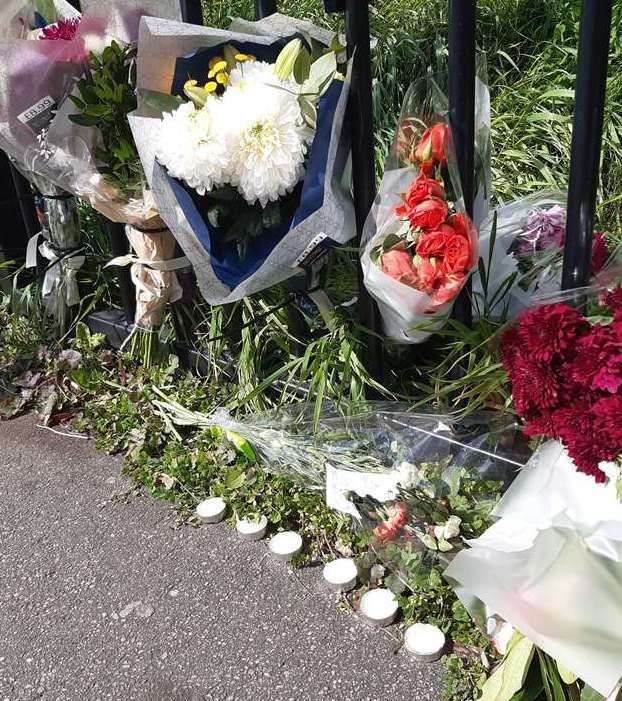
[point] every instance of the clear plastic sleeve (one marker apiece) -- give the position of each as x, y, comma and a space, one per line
36, 78
522, 250
551, 566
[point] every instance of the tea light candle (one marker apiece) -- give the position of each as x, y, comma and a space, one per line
425, 642
341, 574
252, 530
284, 546
211, 510
379, 607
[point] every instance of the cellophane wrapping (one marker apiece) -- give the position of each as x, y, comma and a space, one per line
522, 252
411, 315
36, 78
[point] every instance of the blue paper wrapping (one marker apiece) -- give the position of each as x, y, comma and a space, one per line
223, 257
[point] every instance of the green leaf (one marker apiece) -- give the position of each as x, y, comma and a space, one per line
286, 60
241, 445
567, 675
309, 110
160, 102
589, 694
235, 479
321, 75
302, 66
509, 678
47, 10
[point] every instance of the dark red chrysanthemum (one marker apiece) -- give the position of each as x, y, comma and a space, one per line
540, 425
597, 363
510, 348
613, 300
550, 331
534, 386
63, 30
608, 426
581, 450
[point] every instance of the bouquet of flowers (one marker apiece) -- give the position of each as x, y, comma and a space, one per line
522, 251
419, 246
241, 136
65, 120
52, 25
566, 373
557, 538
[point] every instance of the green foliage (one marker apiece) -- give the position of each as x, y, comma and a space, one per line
463, 677
107, 96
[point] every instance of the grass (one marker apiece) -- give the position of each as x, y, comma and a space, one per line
531, 53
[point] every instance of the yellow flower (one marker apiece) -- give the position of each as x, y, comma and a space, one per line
242, 58
211, 86
222, 79
214, 61
217, 68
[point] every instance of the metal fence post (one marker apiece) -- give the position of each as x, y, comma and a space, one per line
263, 8
462, 115
586, 140
360, 110
19, 218
191, 11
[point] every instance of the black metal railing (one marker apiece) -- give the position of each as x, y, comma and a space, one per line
462, 115
586, 140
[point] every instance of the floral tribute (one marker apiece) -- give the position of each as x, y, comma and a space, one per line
566, 374
539, 247
242, 140
435, 248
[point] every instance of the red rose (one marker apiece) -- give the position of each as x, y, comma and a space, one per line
431, 149
453, 250
398, 264
428, 274
429, 214
461, 224
449, 287
421, 189
397, 518
457, 254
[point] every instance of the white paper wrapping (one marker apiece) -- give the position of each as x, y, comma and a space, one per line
160, 44
408, 316
552, 566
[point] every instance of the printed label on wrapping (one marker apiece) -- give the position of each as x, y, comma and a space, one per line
381, 486
39, 115
314, 252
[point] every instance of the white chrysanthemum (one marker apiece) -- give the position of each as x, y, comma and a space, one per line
266, 134
192, 147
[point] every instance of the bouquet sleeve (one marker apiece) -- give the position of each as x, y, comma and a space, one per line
522, 252
418, 246
320, 218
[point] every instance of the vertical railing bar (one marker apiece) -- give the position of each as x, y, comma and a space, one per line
360, 115
462, 15
263, 8
586, 140
26, 202
191, 11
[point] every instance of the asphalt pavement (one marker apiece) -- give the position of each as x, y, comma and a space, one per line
103, 595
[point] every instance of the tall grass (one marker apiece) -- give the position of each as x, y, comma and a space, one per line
531, 51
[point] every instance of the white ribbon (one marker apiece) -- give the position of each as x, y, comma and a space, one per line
153, 291
61, 273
